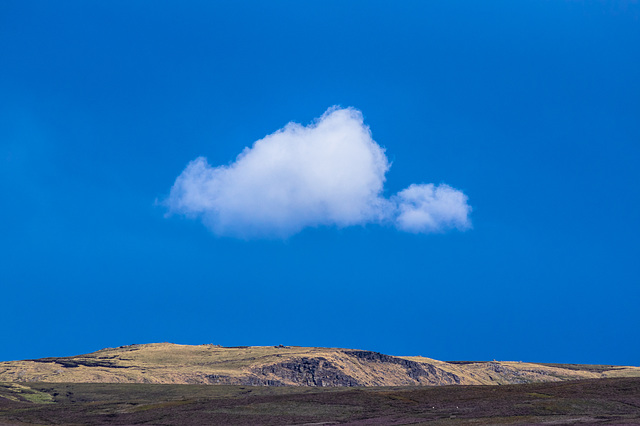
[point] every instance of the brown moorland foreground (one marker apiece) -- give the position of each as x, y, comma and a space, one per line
597, 401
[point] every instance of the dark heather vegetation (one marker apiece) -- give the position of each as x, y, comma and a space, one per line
601, 401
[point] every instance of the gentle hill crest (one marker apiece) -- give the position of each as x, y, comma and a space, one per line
286, 366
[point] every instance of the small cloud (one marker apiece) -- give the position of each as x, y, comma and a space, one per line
429, 208
329, 173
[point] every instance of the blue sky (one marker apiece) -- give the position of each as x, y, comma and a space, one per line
531, 109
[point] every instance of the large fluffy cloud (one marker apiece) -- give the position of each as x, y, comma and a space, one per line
328, 173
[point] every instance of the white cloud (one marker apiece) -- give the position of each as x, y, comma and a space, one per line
430, 208
328, 173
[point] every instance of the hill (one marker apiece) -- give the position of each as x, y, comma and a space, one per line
286, 366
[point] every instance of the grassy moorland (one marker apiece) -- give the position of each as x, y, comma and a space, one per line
164, 383
602, 401
286, 366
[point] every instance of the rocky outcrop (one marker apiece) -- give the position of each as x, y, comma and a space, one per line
74, 362
308, 372
373, 368
422, 373
215, 379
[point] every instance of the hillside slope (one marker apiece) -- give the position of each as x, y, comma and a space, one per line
285, 366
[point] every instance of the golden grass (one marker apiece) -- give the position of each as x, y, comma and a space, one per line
210, 364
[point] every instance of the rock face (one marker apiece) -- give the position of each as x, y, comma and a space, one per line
422, 373
308, 372
284, 366
323, 372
